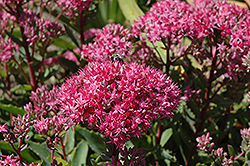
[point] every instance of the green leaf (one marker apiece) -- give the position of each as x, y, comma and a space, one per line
194, 62
3, 74
63, 43
247, 157
160, 153
60, 160
103, 6
26, 154
13, 109
179, 144
167, 156
236, 163
113, 7
69, 140
71, 35
130, 10
222, 101
80, 155
70, 64
41, 151
21, 87
6, 146
15, 39
165, 136
94, 140
231, 150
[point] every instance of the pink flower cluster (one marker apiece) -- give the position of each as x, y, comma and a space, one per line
218, 155
37, 29
204, 142
72, 8
45, 112
227, 25
11, 160
5, 20
12, 4
245, 134
112, 39
115, 39
92, 32
119, 99
7, 46
165, 20
7, 49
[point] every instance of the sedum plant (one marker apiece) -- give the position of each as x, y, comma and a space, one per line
146, 90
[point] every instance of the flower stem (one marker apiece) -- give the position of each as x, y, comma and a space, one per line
63, 150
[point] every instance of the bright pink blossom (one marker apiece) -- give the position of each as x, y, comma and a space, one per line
3, 128
227, 25
119, 99
38, 29
92, 32
204, 142
245, 134
72, 8
115, 39
44, 114
7, 49
11, 160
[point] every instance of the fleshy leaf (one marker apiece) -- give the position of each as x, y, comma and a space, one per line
81, 154
94, 140
13, 109
41, 151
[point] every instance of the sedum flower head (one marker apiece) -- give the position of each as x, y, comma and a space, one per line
38, 29
119, 99
209, 22
115, 39
204, 142
165, 19
245, 134
72, 8
7, 49
43, 113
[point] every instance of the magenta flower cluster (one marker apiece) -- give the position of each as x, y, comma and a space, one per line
205, 22
74, 7
37, 29
204, 142
112, 39
119, 99
44, 112
11, 160
7, 46
115, 39
218, 155
245, 134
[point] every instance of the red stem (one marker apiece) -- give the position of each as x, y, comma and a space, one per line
82, 21
63, 149
206, 102
25, 76
158, 134
58, 16
17, 152
26, 48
